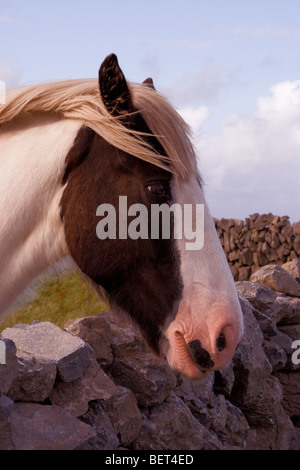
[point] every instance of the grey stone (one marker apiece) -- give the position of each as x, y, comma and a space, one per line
272, 437
277, 306
106, 436
138, 369
277, 278
285, 310
96, 331
290, 382
268, 402
48, 342
6, 438
224, 380
276, 355
44, 427
171, 426
8, 370
261, 297
75, 396
198, 396
124, 414
34, 381
250, 364
236, 428
294, 444
293, 331
285, 430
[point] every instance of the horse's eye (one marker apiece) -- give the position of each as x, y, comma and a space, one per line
160, 189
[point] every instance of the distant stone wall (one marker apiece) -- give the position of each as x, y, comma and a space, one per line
257, 241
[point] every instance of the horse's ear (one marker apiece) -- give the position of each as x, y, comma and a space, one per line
114, 90
149, 83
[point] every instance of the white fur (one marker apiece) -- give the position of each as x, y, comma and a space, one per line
32, 163
209, 302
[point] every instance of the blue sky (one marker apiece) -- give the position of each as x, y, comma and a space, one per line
230, 67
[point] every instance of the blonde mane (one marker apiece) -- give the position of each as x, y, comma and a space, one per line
80, 100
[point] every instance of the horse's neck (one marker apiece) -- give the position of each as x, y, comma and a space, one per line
32, 159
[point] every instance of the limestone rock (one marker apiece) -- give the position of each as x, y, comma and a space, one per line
44, 427
95, 331
8, 364
34, 381
268, 402
290, 382
139, 370
277, 278
295, 443
124, 414
199, 396
236, 428
48, 342
277, 306
106, 436
171, 426
293, 331
249, 363
293, 267
270, 437
285, 310
6, 438
75, 396
276, 356
260, 296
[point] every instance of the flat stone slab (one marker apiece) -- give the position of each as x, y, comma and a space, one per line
50, 343
278, 279
45, 427
293, 267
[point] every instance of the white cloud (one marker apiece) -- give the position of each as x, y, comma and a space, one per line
253, 165
195, 117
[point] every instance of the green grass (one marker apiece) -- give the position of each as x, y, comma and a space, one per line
58, 300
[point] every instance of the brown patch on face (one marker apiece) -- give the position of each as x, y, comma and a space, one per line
140, 276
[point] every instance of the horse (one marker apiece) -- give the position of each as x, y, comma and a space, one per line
68, 147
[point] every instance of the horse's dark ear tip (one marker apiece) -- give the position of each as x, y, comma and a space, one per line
110, 60
112, 57
149, 83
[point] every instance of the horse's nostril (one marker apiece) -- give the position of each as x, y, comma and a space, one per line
221, 341
200, 355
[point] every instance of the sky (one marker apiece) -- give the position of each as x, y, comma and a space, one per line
231, 68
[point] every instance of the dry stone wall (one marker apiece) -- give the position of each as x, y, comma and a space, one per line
95, 385
258, 240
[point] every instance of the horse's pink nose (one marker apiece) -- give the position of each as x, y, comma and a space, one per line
200, 356
221, 341
203, 359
